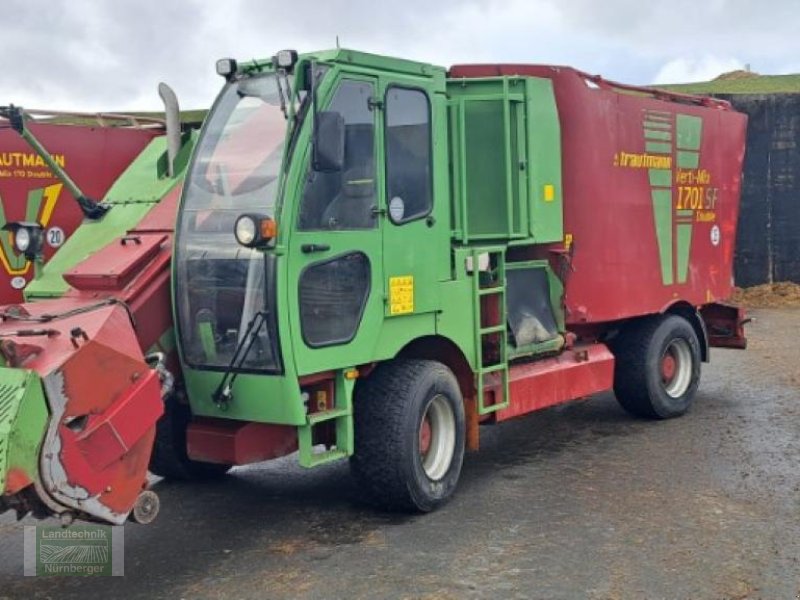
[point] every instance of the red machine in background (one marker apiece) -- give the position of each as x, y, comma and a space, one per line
95, 155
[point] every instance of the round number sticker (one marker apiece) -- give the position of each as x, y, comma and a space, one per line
55, 237
715, 235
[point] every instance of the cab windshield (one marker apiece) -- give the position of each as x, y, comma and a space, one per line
220, 285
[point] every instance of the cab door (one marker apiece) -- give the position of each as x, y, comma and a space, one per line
335, 248
416, 229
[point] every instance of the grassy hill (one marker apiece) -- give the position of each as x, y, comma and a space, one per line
741, 82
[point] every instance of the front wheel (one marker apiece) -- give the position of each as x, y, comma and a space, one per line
657, 367
170, 459
409, 435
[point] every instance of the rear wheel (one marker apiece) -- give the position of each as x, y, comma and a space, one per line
169, 458
409, 435
657, 367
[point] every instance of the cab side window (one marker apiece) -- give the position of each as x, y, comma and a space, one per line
346, 199
408, 154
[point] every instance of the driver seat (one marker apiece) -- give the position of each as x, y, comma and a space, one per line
352, 206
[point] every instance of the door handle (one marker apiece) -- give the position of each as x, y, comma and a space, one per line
309, 248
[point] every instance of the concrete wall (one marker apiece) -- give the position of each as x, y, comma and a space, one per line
768, 243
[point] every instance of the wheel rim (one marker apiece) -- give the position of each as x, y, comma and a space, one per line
676, 368
437, 438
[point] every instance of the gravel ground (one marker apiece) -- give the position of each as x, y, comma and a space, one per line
580, 501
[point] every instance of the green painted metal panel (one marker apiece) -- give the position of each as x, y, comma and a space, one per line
662, 210
34, 204
506, 148
451, 323
486, 168
660, 177
544, 163
688, 160
658, 147
260, 398
689, 137
654, 134
23, 419
489, 147
684, 231
690, 129
141, 181
377, 64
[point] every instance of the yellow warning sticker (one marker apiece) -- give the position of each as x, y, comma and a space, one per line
401, 295
549, 192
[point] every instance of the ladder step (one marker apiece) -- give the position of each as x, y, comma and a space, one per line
319, 458
484, 409
496, 288
327, 415
492, 290
493, 329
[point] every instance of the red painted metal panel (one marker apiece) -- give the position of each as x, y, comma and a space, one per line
608, 196
238, 443
110, 434
161, 218
147, 289
725, 325
104, 402
16, 480
573, 374
107, 324
93, 156
115, 265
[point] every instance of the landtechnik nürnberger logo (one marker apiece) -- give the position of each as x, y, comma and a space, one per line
78, 550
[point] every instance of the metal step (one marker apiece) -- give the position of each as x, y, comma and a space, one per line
341, 415
327, 415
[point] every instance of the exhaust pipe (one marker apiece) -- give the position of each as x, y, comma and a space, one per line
173, 118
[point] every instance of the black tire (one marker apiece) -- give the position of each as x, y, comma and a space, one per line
390, 407
169, 458
642, 382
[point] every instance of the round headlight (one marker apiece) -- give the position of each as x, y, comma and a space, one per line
22, 239
245, 230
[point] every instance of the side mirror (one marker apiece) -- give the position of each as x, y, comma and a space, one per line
328, 142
